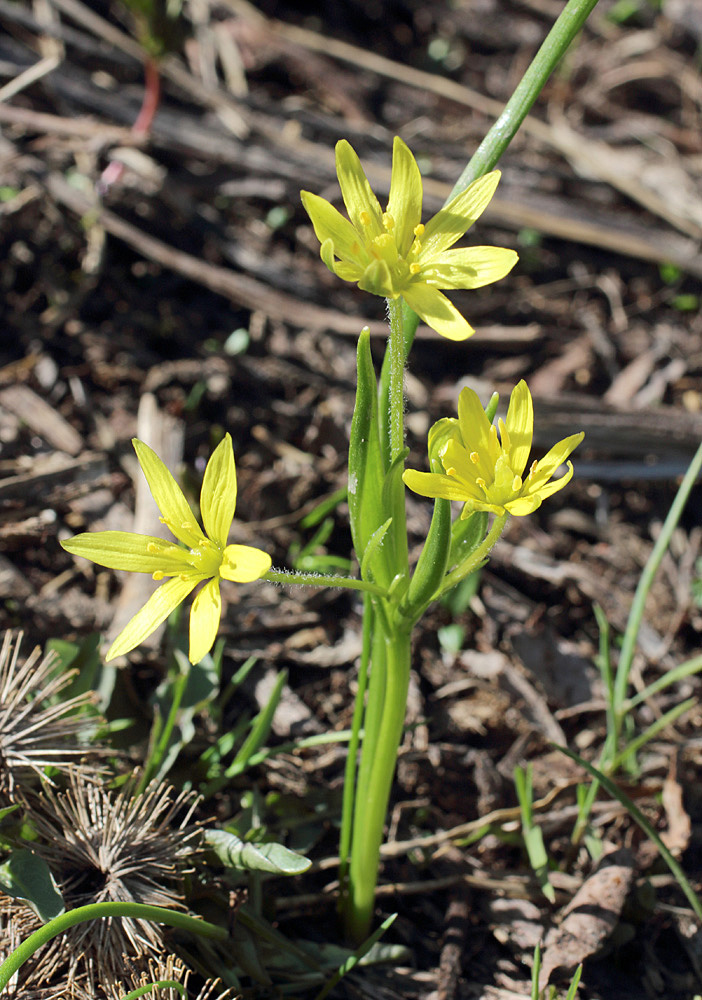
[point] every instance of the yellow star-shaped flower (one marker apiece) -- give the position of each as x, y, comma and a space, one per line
486, 472
392, 253
201, 556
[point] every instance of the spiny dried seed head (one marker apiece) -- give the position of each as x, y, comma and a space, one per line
122, 847
39, 728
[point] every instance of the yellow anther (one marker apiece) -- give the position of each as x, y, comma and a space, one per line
388, 221
474, 457
151, 547
419, 230
451, 472
365, 218
158, 575
516, 484
355, 248
481, 483
532, 469
415, 268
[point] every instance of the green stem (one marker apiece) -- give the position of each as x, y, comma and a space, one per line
397, 378
487, 155
322, 580
95, 911
477, 557
372, 805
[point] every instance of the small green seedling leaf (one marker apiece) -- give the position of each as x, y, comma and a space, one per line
273, 858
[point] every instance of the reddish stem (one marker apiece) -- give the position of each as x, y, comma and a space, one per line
142, 126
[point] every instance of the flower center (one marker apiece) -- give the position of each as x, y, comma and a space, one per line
206, 558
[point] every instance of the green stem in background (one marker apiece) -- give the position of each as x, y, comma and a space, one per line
321, 580
633, 624
476, 558
372, 800
95, 911
487, 155
568, 24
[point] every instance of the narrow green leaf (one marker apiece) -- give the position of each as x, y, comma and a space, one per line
639, 818
261, 727
432, 563
466, 536
374, 543
366, 468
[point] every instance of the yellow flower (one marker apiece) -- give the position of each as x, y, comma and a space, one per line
486, 472
202, 556
392, 253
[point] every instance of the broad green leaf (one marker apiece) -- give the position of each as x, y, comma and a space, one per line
27, 876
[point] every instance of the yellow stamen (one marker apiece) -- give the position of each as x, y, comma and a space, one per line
365, 218
451, 472
388, 221
532, 470
158, 575
415, 268
481, 483
516, 484
419, 230
474, 457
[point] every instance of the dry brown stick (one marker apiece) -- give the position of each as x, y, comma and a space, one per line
240, 288
452, 946
88, 128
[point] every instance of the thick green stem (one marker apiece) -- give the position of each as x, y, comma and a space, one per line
476, 558
95, 911
351, 759
322, 580
372, 800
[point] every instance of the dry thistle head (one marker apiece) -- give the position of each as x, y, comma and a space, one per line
118, 847
38, 728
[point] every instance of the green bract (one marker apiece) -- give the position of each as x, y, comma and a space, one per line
486, 472
392, 253
202, 556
